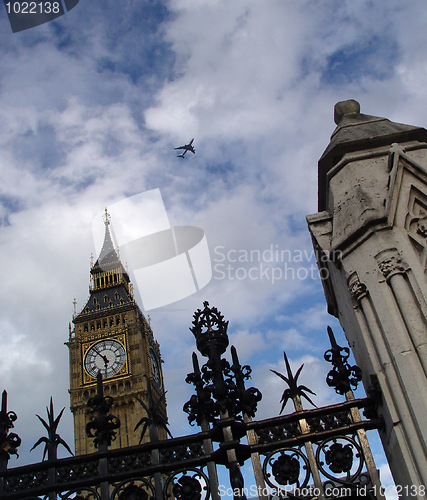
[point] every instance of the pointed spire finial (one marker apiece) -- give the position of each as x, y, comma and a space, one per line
74, 307
106, 217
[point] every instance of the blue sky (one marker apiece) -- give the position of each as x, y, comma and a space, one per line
91, 106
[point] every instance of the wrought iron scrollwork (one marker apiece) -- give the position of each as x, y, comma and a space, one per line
134, 489
187, 488
341, 455
187, 484
220, 387
278, 432
299, 455
339, 458
79, 471
102, 426
342, 377
128, 462
9, 441
286, 467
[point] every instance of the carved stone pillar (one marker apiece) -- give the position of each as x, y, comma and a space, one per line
372, 213
394, 271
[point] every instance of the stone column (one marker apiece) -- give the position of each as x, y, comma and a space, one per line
372, 208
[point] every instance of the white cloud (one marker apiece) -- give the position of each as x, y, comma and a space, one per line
248, 344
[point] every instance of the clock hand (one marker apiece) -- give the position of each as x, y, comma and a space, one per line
106, 361
104, 358
96, 350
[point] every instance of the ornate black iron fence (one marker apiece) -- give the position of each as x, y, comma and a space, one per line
317, 453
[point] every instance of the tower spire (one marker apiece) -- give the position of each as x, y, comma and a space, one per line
112, 335
108, 257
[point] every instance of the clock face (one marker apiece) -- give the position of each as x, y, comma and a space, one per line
154, 366
107, 356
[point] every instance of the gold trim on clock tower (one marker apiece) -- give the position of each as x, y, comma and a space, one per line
112, 335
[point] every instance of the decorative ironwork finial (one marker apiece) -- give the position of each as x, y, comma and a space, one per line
210, 329
342, 377
53, 440
248, 398
220, 388
9, 441
102, 425
200, 406
294, 392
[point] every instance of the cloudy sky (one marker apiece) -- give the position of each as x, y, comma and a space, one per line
91, 107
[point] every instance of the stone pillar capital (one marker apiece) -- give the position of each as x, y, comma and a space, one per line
390, 263
357, 289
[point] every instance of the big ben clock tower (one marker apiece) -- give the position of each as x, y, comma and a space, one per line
112, 336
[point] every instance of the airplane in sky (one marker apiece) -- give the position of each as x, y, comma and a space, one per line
187, 147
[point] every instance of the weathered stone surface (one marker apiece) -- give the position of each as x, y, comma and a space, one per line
373, 214
358, 132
